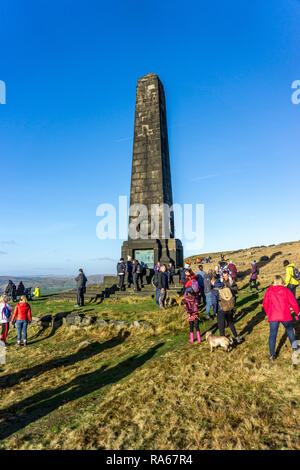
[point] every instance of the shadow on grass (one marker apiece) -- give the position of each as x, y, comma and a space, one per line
41, 404
89, 351
239, 316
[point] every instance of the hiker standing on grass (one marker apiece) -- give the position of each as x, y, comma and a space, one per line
121, 269
81, 281
207, 292
129, 271
190, 302
278, 301
171, 272
253, 276
200, 278
37, 292
233, 270
22, 317
5, 317
11, 291
223, 299
163, 286
20, 289
155, 283
290, 277
136, 270
229, 282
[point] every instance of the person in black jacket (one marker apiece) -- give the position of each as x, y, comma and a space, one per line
81, 281
163, 286
171, 272
121, 269
20, 289
11, 290
129, 272
136, 271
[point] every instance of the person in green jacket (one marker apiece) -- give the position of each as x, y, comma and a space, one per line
290, 282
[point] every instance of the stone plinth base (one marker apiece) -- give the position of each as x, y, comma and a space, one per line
165, 251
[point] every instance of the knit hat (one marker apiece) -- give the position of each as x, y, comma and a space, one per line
253, 262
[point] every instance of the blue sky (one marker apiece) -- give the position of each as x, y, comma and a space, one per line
71, 68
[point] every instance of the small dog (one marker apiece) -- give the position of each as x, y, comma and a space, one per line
170, 301
215, 341
179, 300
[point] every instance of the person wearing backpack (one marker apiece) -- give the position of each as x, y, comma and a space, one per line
22, 317
190, 302
223, 299
292, 276
5, 317
253, 276
278, 302
155, 284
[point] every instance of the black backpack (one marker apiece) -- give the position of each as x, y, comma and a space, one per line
296, 274
155, 279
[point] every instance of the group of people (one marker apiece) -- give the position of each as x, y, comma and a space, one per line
217, 290
135, 274
20, 316
13, 292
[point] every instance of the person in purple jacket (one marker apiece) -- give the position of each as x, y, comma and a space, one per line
253, 276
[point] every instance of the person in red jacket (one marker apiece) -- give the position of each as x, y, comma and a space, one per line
278, 302
22, 316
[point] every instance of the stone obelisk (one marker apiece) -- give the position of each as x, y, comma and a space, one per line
151, 176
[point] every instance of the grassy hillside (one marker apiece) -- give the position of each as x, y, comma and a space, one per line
242, 258
135, 389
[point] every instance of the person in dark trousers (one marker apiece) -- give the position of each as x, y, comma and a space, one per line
81, 281
223, 309
278, 302
155, 283
121, 269
20, 289
171, 272
163, 286
207, 292
290, 282
129, 272
200, 278
22, 317
253, 276
11, 291
136, 271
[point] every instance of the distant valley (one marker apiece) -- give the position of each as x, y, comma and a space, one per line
48, 284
